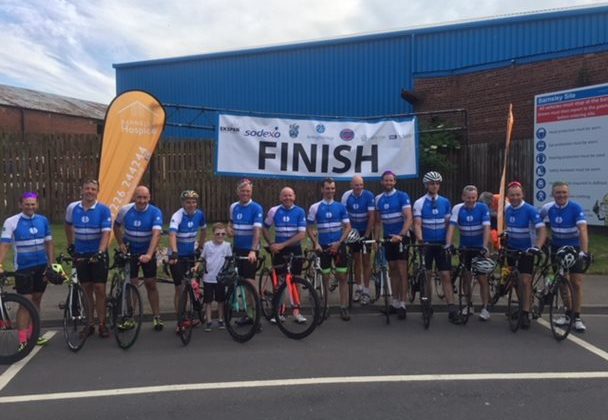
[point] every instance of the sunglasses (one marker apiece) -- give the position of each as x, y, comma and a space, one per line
220, 233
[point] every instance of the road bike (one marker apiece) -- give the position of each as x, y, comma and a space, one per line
190, 306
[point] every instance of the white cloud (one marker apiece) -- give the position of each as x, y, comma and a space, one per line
68, 47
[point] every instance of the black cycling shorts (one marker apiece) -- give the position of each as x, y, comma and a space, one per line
91, 271
30, 280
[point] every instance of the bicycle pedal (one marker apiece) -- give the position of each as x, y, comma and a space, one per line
61, 305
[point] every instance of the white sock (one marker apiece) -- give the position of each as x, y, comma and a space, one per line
402, 304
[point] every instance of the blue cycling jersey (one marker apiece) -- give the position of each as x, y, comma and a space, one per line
329, 216
358, 208
434, 212
522, 222
390, 207
564, 222
471, 223
89, 225
245, 218
28, 236
287, 222
186, 228
139, 226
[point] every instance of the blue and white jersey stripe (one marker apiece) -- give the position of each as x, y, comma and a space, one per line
28, 235
471, 223
245, 218
522, 222
390, 206
564, 222
287, 222
434, 213
186, 228
139, 226
358, 208
330, 217
89, 225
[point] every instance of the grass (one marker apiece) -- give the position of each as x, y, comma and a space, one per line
598, 247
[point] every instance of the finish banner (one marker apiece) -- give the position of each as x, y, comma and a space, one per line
273, 147
134, 123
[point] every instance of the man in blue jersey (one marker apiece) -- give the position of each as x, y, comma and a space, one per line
332, 228
30, 235
431, 220
289, 223
360, 205
246, 217
394, 213
187, 225
472, 219
137, 229
88, 224
568, 225
523, 223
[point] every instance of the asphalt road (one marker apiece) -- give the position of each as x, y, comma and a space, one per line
362, 369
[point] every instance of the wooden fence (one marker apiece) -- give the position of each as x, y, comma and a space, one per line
54, 166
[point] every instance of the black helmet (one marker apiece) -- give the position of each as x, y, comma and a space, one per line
56, 275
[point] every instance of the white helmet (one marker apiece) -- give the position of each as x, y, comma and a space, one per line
483, 265
432, 177
353, 236
566, 256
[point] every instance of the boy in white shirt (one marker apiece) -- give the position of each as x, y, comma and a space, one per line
214, 253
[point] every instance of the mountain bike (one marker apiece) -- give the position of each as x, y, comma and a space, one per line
190, 307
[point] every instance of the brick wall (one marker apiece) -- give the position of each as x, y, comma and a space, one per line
486, 95
38, 122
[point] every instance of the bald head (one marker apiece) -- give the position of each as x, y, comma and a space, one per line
142, 197
357, 184
287, 197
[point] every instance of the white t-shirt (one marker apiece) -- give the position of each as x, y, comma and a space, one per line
214, 256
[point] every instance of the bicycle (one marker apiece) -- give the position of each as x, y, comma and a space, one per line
557, 292
242, 305
465, 285
18, 318
314, 275
380, 274
124, 302
296, 296
424, 286
77, 311
190, 307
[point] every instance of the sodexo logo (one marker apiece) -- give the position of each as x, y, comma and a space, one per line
347, 134
264, 134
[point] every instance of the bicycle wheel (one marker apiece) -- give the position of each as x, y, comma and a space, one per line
297, 308
11, 327
242, 311
425, 299
76, 318
321, 291
186, 314
414, 287
386, 297
266, 291
514, 304
438, 285
560, 309
464, 297
127, 317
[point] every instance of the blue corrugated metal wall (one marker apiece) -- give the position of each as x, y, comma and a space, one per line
359, 76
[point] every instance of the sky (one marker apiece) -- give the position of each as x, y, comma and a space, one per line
68, 47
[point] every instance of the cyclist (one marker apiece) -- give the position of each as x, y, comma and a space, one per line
432, 214
333, 226
394, 213
360, 204
246, 217
289, 223
187, 224
30, 235
88, 224
472, 219
137, 229
568, 227
523, 222
214, 253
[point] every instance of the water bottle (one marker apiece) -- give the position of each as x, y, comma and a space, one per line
196, 286
504, 275
549, 280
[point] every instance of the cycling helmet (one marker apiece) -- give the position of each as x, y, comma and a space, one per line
566, 256
483, 265
432, 177
353, 236
56, 275
188, 194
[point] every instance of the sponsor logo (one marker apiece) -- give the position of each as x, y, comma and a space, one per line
84, 219
558, 219
369, 138
264, 134
347, 134
230, 129
469, 218
355, 206
286, 218
512, 219
190, 224
319, 137
397, 136
137, 223
239, 216
135, 119
328, 215
320, 128
294, 130
33, 230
